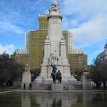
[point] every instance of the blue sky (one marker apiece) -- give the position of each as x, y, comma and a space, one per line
85, 19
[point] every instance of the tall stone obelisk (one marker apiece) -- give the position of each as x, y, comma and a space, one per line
54, 48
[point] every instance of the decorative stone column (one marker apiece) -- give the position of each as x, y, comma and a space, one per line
86, 83
26, 78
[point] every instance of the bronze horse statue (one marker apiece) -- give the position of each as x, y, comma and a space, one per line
56, 75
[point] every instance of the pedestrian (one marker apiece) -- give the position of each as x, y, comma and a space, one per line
30, 86
24, 86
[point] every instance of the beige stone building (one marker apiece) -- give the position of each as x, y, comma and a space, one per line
103, 55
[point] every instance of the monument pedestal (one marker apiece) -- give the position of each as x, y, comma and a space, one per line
56, 87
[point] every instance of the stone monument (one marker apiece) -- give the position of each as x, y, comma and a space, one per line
54, 50
86, 83
26, 78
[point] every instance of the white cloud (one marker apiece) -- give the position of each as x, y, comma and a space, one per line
84, 7
90, 32
8, 26
88, 20
7, 48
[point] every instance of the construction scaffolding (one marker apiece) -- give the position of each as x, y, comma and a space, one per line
34, 48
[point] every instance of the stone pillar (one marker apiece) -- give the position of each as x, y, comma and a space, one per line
86, 83
63, 52
46, 51
26, 78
